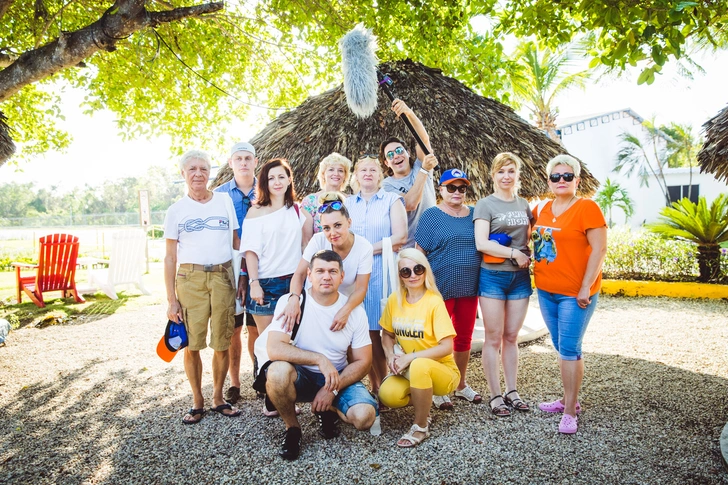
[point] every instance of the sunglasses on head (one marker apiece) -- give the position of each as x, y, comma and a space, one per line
397, 151
335, 205
368, 155
419, 270
555, 177
460, 188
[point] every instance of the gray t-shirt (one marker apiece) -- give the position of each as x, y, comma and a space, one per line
401, 187
506, 217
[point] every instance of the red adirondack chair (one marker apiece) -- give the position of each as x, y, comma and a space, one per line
55, 271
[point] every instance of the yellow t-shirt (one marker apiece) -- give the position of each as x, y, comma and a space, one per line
420, 326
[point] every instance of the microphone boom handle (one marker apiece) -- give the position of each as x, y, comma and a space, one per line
385, 87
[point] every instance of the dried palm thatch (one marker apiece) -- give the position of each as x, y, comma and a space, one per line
466, 131
713, 156
7, 147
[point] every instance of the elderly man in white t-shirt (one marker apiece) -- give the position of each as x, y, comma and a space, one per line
200, 230
316, 369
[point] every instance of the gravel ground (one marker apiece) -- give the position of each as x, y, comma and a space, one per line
92, 403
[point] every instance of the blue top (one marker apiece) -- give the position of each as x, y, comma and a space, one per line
241, 201
450, 246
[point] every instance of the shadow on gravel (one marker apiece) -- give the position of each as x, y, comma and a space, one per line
652, 423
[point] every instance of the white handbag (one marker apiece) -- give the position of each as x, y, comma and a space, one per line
389, 272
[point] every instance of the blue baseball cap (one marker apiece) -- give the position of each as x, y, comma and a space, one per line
449, 176
174, 339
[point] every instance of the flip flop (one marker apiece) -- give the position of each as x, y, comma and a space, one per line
228, 407
193, 412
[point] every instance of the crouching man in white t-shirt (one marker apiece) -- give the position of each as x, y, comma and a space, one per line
316, 369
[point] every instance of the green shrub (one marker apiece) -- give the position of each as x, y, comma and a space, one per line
10, 255
155, 232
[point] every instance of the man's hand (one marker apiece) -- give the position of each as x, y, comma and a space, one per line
340, 319
429, 162
242, 288
400, 107
331, 374
323, 400
291, 315
174, 311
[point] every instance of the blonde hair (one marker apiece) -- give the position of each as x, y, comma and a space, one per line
419, 258
563, 160
355, 183
330, 161
504, 159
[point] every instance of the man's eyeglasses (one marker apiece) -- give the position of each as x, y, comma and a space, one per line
397, 151
555, 177
419, 270
460, 188
335, 205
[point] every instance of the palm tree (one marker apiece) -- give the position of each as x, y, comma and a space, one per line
539, 77
614, 195
682, 148
633, 155
707, 228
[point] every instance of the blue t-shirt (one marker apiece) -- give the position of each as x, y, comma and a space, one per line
450, 245
241, 201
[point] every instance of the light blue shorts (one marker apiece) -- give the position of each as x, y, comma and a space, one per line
504, 285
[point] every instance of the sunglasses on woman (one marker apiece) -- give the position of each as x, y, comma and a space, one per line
555, 177
460, 188
397, 151
335, 205
419, 270
368, 155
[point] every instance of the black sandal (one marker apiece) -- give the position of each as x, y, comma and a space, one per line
500, 410
518, 404
193, 413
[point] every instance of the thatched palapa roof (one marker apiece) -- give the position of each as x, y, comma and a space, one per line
713, 156
466, 132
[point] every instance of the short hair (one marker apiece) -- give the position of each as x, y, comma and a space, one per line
419, 258
564, 159
503, 159
383, 158
332, 160
195, 155
328, 256
355, 183
262, 192
328, 197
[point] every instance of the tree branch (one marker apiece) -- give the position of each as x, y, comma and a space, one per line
123, 19
4, 6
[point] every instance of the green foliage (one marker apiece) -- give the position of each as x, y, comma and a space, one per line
614, 195
10, 255
155, 232
683, 147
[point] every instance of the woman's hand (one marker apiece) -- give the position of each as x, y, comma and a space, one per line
340, 319
522, 260
582, 299
291, 314
256, 292
174, 311
401, 362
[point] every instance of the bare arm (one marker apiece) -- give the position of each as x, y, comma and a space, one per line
485, 245
442, 349
280, 348
174, 310
307, 230
401, 108
236, 241
597, 238
292, 312
360, 360
398, 221
256, 292
360, 290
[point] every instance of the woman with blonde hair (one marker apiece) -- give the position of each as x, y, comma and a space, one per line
333, 176
418, 343
502, 228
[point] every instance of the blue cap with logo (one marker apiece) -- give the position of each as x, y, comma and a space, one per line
449, 176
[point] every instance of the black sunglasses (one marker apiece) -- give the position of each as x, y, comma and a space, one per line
397, 151
335, 205
246, 201
555, 177
419, 270
460, 188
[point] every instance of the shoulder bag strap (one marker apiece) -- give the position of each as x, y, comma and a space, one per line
386, 256
297, 325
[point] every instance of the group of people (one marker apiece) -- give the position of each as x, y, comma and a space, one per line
313, 284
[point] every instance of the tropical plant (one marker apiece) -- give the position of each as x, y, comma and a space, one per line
703, 226
682, 149
633, 155
614, 195
539, 77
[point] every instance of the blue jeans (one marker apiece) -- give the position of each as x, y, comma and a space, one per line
566, 321
273, 289
308, 383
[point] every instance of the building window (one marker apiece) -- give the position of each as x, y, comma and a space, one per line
615, 116
605, 119
678, 192
625, 114
567, 130
593, 122
580, 126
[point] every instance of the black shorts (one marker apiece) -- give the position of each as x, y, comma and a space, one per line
241, 320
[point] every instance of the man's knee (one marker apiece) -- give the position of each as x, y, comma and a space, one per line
280, 375
362, 416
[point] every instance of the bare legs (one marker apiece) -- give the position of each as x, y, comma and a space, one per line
572, 374
193, 369
378, 370
236, 348
461, 360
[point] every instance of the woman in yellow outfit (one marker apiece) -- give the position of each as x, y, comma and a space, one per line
417, 337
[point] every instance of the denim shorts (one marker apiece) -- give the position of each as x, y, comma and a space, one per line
308, 383
504, 285
566, 321
273, 289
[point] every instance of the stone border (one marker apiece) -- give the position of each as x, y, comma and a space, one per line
663, 288
724, 446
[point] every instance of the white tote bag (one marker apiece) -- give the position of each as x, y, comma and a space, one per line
389, 272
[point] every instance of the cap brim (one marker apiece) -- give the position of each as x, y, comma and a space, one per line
163, 351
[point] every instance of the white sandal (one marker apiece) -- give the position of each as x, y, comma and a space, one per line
409, 436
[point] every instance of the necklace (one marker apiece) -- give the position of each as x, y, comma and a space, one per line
452, 212
568, 204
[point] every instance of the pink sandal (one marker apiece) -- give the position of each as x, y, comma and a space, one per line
556, 407
569, 424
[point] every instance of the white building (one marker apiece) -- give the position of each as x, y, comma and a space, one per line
595, 140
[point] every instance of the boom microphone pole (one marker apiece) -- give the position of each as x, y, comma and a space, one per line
386, 83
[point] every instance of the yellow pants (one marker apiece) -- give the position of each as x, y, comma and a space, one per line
423, 374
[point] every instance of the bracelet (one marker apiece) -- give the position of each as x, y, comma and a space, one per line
426, 172
253, 281
294, 294
511, 253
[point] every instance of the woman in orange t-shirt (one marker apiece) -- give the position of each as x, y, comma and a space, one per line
569, 245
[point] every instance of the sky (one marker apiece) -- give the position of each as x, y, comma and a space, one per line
97, 145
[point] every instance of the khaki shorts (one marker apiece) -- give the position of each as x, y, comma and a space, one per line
207, 296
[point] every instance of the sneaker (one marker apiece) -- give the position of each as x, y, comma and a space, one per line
232, 395
556, 407
291, 446
442, 403
327, 424
376, 428
467, 393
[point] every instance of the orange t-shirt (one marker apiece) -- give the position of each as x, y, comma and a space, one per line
561, 249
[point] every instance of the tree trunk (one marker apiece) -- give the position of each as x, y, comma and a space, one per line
708, 262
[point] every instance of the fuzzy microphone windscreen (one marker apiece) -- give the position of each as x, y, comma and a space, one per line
359, 63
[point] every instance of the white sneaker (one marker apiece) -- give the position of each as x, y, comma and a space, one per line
442, 402
468, 393
376, 428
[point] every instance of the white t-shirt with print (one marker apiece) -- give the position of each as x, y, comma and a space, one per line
276, 239
358, 261
202, 230
314, 333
